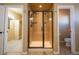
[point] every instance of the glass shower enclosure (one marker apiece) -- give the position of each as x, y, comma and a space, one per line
40, 29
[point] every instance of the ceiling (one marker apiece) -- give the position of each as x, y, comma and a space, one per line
40, 6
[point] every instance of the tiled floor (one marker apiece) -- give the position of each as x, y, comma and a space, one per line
64, 50
33, 52
16, 53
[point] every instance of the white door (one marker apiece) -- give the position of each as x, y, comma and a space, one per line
2, 11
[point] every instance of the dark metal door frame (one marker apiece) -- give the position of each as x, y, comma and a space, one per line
43, 28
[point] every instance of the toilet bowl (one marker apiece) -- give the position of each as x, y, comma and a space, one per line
68, 42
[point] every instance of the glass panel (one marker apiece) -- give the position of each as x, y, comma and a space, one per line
35, 29
48, 29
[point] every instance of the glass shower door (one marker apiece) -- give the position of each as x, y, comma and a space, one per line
35, 29
48, 29
41, 29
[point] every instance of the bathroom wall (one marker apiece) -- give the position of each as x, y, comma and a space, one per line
25, 28
55, 30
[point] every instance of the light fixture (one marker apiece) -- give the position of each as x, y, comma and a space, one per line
40, 6
50, 19
31, 19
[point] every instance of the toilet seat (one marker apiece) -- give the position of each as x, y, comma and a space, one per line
68, 42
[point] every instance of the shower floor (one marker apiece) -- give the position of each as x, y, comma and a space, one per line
40, 44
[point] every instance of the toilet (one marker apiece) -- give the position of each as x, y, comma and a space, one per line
68, 42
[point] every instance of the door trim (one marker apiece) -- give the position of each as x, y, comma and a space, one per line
6, 21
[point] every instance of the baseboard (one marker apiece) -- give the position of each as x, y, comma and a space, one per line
5, 53
75, 53
56, 53
24, 53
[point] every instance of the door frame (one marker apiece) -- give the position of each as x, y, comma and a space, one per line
6, 24
42, 31
72, 25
